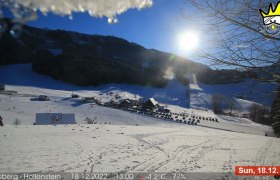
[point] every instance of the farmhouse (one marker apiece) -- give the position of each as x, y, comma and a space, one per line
54, 118
151, 104
128, 103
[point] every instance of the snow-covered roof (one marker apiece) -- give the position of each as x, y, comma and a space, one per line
153, 101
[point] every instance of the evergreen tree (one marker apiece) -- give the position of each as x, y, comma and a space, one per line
275, 112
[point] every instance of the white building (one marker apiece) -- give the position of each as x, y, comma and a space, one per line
54, 118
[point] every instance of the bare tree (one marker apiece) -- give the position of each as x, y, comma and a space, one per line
218, 103
237, 38
235, 34
90, 121
230, 106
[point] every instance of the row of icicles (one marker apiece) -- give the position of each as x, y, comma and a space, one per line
21, 15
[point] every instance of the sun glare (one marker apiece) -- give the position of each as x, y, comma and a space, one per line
188, 40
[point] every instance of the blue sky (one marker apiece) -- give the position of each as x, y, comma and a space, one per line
156, 27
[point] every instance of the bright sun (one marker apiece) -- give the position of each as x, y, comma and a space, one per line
188, 40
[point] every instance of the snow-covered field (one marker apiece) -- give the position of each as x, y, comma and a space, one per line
115, 148
130, 143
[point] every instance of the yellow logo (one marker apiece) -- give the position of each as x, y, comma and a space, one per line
271, 19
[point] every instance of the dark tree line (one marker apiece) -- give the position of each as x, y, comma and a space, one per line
89, 70
275, 112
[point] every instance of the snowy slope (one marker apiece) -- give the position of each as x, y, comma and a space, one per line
253, 90
22, 75
199, 99
29, 84
195, 96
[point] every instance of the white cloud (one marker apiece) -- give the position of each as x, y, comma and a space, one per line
96, 8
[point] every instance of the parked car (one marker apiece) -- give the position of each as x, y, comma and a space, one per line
75, 96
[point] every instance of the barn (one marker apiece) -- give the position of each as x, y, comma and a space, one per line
54, 118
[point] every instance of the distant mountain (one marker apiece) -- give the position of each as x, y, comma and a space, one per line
94, 60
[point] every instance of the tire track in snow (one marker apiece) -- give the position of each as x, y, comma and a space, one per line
154, 160
181, 160
229, 164
202, 152
262, 152
177, 157
80, 159
165, 162
150, 163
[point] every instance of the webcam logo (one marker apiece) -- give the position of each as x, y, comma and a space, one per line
271, 19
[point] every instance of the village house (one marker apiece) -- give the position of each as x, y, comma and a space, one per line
150, 104
128, 103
